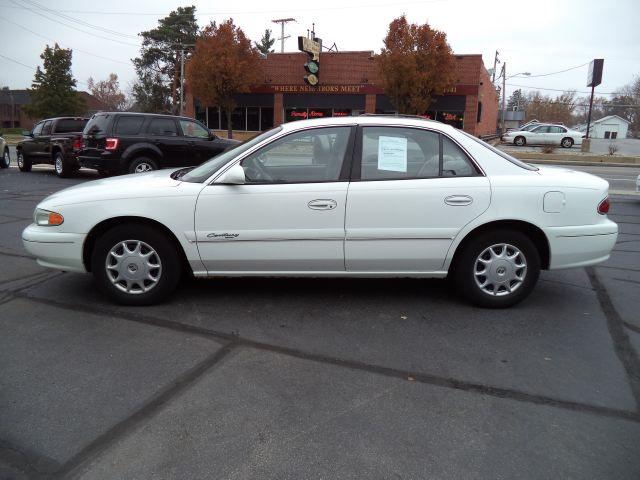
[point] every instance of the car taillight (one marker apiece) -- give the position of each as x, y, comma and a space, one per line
603, 207
111, 144
77, 144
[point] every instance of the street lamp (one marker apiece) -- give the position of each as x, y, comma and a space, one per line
503, 74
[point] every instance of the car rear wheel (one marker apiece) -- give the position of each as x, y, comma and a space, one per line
520, 141
142, 164
24, 164
6, 159
63, 169
567, 142
497, 269
136, 264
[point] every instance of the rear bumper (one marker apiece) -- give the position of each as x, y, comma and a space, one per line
581, 246
62, 251
100, 161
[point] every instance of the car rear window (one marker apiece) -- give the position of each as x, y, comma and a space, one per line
97, 125
128, 125
69, 125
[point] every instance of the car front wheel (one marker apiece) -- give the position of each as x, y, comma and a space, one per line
142, 164
24, 164
136, 264
520, 141
6, 159
63, 169
497, 269
567, 142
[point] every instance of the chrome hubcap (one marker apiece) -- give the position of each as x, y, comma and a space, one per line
58, 165
143, 167
500, 269
20, 160
133, 267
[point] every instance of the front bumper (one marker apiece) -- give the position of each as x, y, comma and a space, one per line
59, 250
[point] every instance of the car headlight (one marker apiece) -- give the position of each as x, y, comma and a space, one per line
47, 218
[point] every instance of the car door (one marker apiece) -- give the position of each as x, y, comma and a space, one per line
30, 144
199, 144
413, 191
538, 136
555, 134
288, 216
163, 133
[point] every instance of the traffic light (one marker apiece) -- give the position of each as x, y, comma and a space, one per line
311, 47
313, 70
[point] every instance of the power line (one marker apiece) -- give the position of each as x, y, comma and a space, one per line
82, 22
32, 68
74, 49
556, 73
559, 90
75, 28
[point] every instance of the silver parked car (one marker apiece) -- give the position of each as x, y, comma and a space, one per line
545, 134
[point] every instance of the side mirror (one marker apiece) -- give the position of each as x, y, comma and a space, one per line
212, 136
233, 176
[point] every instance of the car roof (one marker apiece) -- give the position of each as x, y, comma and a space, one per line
371, 120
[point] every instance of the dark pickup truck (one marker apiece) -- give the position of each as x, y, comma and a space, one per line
54, 141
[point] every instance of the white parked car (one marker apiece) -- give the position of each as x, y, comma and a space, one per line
545, 134
5, 159
357, 196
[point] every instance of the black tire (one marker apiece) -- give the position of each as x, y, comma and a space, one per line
24, 164
5, 161
567, 142
145, 269
142, 164
61, 165
520, 141
497, 269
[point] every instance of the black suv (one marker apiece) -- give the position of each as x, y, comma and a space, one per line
123, 142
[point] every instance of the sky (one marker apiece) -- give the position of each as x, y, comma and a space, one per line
553, 40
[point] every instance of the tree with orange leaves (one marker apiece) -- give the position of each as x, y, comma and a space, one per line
415, 64
223, 65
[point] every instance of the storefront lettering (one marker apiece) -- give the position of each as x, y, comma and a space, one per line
316, 89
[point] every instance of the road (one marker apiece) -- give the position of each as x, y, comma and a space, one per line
315, 378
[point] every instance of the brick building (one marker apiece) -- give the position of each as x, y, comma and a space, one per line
12, 102
349, 85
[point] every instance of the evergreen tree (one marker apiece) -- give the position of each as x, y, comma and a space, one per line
158, 66
266, 42
53, 91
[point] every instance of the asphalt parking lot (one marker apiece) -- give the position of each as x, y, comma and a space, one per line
316, 379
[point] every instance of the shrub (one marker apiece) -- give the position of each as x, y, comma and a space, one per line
613, 148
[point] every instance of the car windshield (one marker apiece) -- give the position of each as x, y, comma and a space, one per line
204, 171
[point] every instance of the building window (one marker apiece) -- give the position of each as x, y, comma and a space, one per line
252, 119
293, 114
479, 112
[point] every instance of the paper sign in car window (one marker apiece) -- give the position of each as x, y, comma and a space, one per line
392, 154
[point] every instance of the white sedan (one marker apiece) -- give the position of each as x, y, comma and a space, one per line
358, 197
544, 134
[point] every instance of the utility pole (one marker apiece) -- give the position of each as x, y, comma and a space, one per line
495, 65
282, 38
182, 75
504, 94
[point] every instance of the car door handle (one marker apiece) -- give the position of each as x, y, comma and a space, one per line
322, 204
458, 200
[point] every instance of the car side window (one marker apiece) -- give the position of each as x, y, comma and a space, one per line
128, 125
163, 127
455, 163
398, 153
309, 156
193, 129
46, 128
390, 153
37, 130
